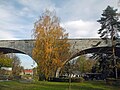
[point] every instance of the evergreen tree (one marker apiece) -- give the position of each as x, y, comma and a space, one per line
110, 26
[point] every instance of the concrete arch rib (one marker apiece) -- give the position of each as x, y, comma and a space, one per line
6, 50
23, 56
106, 50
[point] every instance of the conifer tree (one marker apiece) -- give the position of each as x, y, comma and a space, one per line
110, 26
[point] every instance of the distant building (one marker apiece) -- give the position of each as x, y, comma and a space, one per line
6, 70
28, 72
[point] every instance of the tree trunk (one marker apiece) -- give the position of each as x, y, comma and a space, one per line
57, 72
114, 59
59, 69
113, 52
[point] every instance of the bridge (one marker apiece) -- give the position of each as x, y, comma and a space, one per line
26, 46
78, 47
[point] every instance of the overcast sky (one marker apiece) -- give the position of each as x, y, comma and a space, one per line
78, 17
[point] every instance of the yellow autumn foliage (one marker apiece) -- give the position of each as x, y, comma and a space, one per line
51, 44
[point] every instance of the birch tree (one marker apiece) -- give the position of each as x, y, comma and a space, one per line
51, 44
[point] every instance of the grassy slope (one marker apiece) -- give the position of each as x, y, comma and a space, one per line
12, 85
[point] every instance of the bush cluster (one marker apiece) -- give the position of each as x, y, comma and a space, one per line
73, 79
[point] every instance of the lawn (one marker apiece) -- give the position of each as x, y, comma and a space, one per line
43, 85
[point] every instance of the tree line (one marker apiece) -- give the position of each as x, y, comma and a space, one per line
10, 61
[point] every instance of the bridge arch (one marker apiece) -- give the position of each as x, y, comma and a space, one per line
6, 50
23, 56
97, 50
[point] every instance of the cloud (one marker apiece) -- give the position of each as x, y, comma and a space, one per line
81, 29
17, 17
6, 36
15, 23
83, 9
37, 5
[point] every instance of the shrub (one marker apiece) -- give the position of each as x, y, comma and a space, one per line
113, 81
77, 79
59, 79
73, 79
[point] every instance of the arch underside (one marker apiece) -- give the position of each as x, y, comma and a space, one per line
6, 50
98, 50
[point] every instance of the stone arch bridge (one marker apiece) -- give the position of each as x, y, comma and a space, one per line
78, 47
26, 46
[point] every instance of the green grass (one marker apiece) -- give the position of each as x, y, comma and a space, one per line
42, 85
